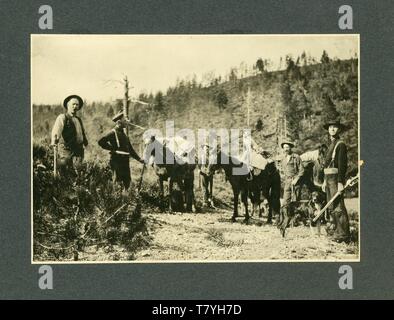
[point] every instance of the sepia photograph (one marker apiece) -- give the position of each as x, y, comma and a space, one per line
195, 148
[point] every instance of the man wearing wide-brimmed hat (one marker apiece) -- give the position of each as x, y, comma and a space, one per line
69, 135
118, 143
334, 179
292, 170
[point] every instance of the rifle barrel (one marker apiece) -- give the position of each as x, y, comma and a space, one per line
55, 157
349, 183
135, 125
326, 206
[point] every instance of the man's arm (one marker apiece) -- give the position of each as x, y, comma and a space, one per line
57, 129
105, 142
134, 154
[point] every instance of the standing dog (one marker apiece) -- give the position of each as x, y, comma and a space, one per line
295, 213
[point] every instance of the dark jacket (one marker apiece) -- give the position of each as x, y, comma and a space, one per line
109, 142
340, 159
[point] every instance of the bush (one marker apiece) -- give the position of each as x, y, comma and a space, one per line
73, 213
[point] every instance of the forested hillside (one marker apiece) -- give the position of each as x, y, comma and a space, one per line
292, 102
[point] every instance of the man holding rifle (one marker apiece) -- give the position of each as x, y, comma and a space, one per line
334, 181
118, 143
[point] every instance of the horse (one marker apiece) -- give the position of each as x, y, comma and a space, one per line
251, 182
239, 182
271, 187
313, 162
178, 171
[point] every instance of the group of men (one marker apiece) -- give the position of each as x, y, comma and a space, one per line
68, 135
335, 167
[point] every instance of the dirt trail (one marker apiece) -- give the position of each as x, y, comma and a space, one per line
212, 237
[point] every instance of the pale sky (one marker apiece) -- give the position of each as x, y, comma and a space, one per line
80, 64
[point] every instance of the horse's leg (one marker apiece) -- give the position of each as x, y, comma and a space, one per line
255, 198
267, 195
205, 187
189, 198
280, 218
270, 195
244, 198
269, 218
254, 206
161, 185
235, 212
275, 196
274, 203
210, 199
194, 208
261, 203
161, 195
185, 196
170, 187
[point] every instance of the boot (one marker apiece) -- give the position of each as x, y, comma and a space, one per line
342, 230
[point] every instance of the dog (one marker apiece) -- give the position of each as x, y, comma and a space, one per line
316, 203
302, 213
177, 200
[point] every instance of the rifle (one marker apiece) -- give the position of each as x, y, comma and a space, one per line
134, 125
137, 210
55, 157
351, 182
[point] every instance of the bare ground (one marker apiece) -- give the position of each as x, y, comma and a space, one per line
213, 237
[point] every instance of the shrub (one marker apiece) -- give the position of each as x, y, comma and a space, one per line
71, 213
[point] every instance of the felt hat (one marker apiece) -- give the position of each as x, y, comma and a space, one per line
73, 96
290, 143
336, 122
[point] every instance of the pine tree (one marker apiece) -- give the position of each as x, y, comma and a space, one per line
260, 65
159, 101
110, 112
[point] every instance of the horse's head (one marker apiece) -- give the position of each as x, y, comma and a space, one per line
156, 151
318, 168
270, 168
322, 153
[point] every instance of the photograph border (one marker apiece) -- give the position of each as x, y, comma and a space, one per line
254, 261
